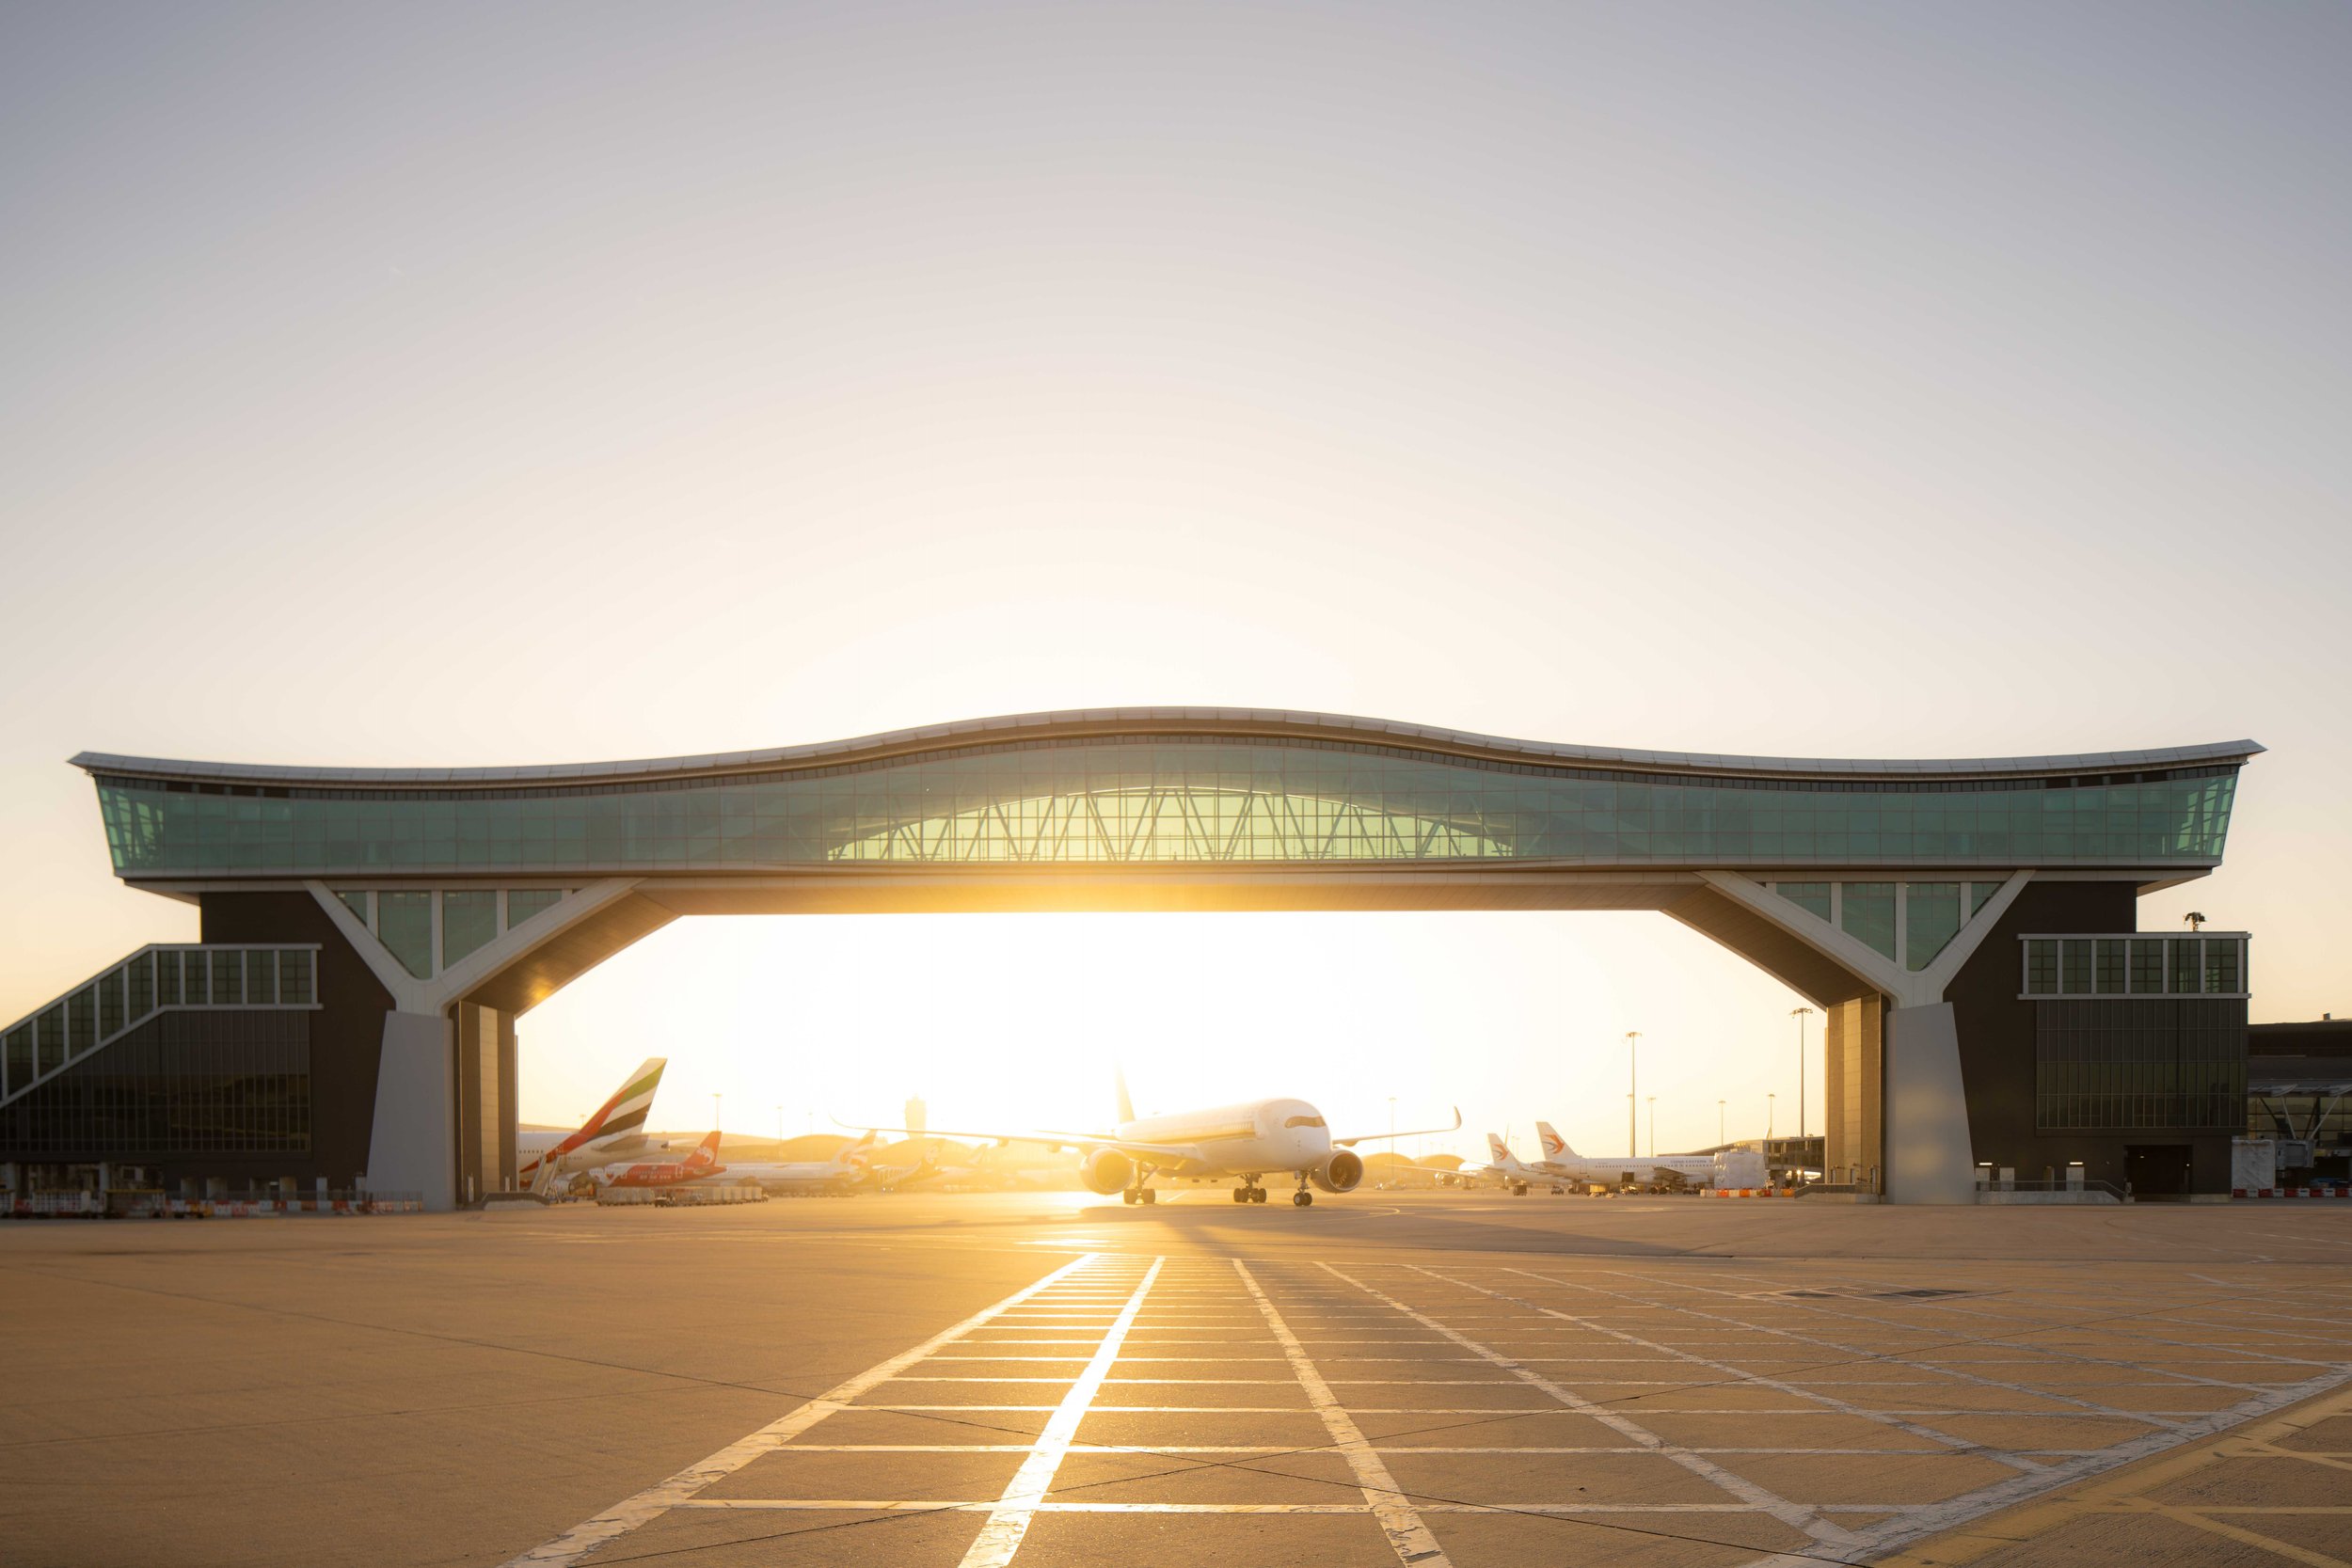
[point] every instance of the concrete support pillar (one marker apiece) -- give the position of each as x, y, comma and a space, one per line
485, 1101
1853, 1077
413, 1146
1929, 1156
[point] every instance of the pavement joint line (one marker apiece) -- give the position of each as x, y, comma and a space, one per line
1798, 1516
1958, 1443
945, 1505
1407, 1536
649, 1504
1009, 1520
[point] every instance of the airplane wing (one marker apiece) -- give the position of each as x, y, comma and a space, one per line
1050, 1139
1401, 1132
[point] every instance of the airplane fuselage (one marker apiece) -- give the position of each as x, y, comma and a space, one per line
1249, 1139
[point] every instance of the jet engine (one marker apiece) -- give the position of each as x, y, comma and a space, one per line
1108, 1171
1340, 1173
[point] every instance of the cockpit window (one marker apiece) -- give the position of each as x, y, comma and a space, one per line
1304, 1122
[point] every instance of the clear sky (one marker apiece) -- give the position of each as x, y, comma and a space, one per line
413, 385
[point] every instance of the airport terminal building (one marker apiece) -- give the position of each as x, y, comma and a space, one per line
369, 935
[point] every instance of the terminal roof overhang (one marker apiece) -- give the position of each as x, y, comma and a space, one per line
1240, 724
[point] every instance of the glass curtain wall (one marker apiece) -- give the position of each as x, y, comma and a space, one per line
1166, 800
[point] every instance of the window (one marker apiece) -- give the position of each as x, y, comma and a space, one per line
404, 922
1869, 915
2042, 978
2112, 966
1812, 897
227, 1082
2148, 967
357, 903
2074, 967
1930, 919
1979, 893
1305, 1121
2185, 963
469, 922
524, 902
293, 978
2221, 965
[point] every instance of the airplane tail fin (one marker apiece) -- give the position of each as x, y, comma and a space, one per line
623, 1114
1497, 1151
1127, 1103
705, 1152
861, 1152
1555, 1146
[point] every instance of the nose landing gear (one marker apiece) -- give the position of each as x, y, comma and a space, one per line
1141, 1194
1302, 1199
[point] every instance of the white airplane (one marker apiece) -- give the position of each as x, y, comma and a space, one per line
1648, 1171
847, 1171
1507, 1169
1226, 1143
614, 1134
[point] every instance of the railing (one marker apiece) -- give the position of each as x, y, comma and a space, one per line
2057, 1184
153, 1203
158, 978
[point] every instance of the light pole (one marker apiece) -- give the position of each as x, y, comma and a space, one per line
1800, 1014
1719, 1122
1653, 1127
1391, 1124
1768, 1123
714, 1112
1632, 1087
779, 1126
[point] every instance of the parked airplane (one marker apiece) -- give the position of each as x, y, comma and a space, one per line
614, 1134
1508, 1170
699, 1165
1648, 1171
1227, 1143
847, 1171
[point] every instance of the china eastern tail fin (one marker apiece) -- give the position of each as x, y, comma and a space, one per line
1555, 1146
1497, 1151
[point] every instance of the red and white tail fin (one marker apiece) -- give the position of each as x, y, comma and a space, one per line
1555, 1146
621, 1115
706, 1153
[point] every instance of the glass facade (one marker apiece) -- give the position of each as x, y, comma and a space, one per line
1812, 897
470, 921
522, 903
159, 977
2136, 966
1867, 913
1931, 919
404, 922
2140, 1064
1166, 799
235, 1083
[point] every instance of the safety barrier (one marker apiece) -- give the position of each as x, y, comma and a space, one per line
1752, 1192
144, 1204
675, 1198
2290, 1192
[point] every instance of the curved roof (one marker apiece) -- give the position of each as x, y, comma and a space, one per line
1262, 723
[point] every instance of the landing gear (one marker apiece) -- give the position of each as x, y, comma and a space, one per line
1139, 1195
1250, 1192
1302, 1199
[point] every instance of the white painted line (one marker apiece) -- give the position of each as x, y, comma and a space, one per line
950, 1505
628, 1514
1796, 1515
1397, 1518
1009, 1519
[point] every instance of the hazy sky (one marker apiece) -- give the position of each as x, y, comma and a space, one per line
426, 383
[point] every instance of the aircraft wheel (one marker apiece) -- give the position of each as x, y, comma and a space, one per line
1127, 1196
1149, 1194
1241, 1195
1258, 1195
1302, 1199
